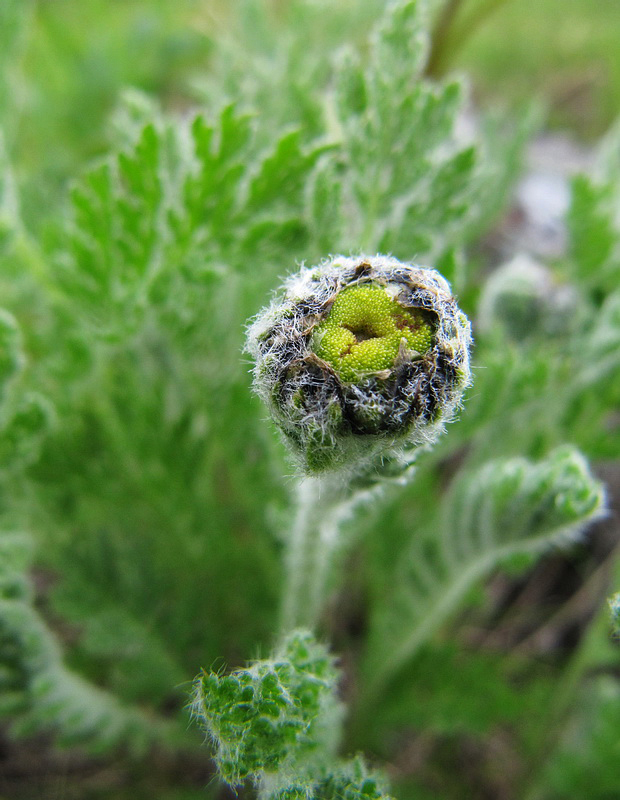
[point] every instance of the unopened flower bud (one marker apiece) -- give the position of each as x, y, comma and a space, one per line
360, 357
525, 299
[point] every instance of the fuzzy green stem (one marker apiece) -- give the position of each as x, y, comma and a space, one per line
310, 548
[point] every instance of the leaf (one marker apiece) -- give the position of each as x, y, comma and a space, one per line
593, 235
23, 431
11, 352
599, 348
402, 40
15, 559
14, 18
413, 179
117, 235
211, 193
180, 207
273, 713
503, 509
276, 197
10, 220
325, 208
36, 686
54, 698
278, 722
345, 780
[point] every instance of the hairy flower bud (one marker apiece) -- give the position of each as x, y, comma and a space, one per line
360, 356
525, 300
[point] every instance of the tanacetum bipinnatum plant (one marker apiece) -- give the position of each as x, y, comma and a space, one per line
362, 360
398, 582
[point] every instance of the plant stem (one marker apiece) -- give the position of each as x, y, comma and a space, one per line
449, 37
310, 547
440, 35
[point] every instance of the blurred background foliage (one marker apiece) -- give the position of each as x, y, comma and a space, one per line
154, 550
74, 60
562, 51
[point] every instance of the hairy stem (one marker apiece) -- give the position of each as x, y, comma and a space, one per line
310, 548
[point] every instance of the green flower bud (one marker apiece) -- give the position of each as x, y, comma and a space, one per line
524, 299
360, 357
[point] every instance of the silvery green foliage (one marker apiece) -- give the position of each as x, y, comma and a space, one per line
14, 18
594, 221
500, 510
9, 211
601, 345
39, 693
418, 159
25, 416
189, 202
11, 351
131, 444
37, 690
330, 423
426, 186
278, 722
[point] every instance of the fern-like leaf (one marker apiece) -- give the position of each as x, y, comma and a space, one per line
500, 510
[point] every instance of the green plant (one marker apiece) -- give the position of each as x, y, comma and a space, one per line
150, 521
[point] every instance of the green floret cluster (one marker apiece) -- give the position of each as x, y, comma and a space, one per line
365, 330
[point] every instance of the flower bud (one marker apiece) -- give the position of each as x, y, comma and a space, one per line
525, 300
361, 357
